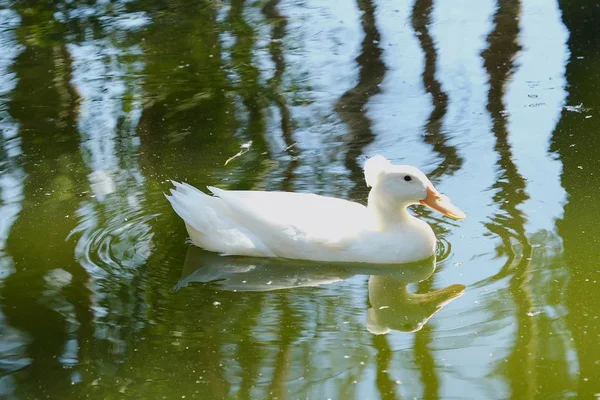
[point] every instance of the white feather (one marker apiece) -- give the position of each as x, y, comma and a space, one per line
311, 227
374, 168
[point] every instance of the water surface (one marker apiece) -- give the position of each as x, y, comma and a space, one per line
101, 103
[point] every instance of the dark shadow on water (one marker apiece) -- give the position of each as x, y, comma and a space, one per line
248, 87
423, 357
450, 163
289, 332
279, 22
577, 142
509, 222
433, 135
510, 186
351, 106
385, 384
33, 302
188, 122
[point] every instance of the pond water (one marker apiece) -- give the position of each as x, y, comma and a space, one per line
103, 102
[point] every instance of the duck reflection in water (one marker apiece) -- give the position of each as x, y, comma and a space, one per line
392, 306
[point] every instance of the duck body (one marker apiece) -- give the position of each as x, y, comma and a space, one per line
308, 226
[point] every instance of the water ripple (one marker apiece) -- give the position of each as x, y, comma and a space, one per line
117, 244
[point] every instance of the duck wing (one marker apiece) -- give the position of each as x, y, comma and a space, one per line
295, 224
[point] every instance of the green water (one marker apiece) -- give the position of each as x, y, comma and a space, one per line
101, 103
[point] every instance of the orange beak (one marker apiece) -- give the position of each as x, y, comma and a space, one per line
442, 204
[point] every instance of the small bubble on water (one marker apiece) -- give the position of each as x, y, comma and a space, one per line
216, 303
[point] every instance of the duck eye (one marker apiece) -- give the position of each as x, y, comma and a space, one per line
407, 178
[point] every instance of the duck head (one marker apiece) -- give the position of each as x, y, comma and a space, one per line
396, 186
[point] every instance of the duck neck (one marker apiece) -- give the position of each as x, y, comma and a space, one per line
390, 214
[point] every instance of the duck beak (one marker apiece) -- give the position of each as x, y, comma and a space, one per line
442, 204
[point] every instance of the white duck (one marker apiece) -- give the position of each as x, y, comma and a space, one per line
319, 228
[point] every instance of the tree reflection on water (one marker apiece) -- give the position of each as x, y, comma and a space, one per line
102, 102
